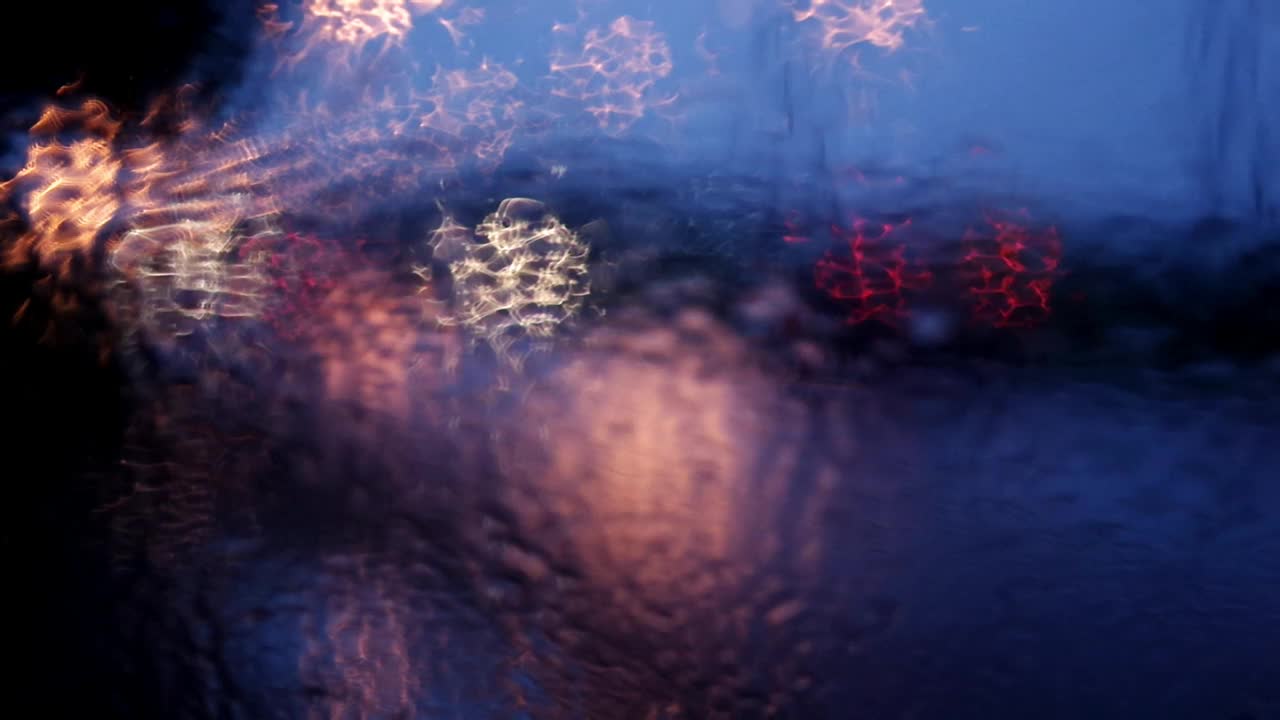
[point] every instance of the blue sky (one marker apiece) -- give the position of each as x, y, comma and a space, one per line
1095, 102
1090, 100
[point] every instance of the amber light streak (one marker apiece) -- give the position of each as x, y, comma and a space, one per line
356, 113
846, 23
67, 191
167, 207
356, 22
341, 29
615, 73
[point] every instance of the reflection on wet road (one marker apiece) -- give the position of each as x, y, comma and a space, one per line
608, 360
660, 524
